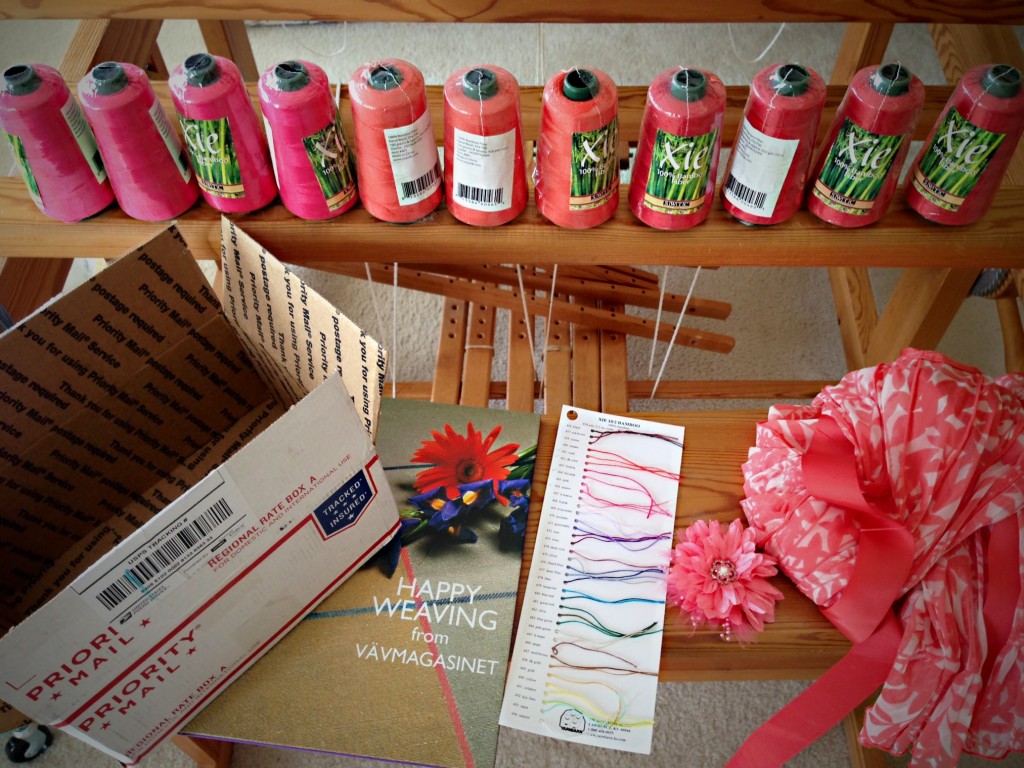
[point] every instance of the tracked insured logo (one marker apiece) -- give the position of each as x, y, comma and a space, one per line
344, 507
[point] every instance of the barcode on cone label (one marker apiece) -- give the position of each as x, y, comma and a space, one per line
171, 552
422, 184
479, 195
744, 193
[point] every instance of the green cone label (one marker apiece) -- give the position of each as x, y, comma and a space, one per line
213, 156
26, 171
332, 163
594, 174
956, 158
857, 165
680, 166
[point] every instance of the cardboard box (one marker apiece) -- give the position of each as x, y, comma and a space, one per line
181, 485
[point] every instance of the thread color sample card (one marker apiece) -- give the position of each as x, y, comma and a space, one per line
585, 663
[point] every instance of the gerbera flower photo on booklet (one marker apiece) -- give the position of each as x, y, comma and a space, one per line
462, 478
410, 656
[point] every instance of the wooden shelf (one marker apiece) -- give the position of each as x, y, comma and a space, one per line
529, 11
801, 643
901, 239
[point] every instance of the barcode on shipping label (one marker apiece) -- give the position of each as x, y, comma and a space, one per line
483, 170
198, 521
413, 157
745, 194
478, 195
758, 169
424, 183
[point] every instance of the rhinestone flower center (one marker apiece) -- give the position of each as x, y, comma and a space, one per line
723, 571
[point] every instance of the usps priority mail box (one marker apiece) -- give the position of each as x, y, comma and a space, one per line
181, 485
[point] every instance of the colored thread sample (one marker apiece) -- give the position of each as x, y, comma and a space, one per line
585, 663
577, 174
396, 154
484, 170
676, 166
222, 134
771, 156
147, 163
961, 165
858, 167
313, 165
53, 144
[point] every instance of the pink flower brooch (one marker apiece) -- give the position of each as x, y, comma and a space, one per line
718, 578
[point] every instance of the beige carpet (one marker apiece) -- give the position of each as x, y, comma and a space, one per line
783, 319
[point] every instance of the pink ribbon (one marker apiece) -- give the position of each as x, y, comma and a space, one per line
863, 612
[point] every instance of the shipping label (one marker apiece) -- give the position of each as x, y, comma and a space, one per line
758, 170
483, 169
171, 140
414, 162
126, 586
84, 137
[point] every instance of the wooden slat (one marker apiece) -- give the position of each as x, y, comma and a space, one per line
99, 40
633, 296
901, 239
451, 347
231, 40
476, 367
752, 389
714, 389
615, 371
1013, 333
586, 367
919, 311
26, 284
611, 275
856, 311
205, 753
521, 376
593, 11
560, 308
557, 367
863, 44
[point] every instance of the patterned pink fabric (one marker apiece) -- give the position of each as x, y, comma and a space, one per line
946, 444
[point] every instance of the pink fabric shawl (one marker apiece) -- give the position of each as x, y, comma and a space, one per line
937, 450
